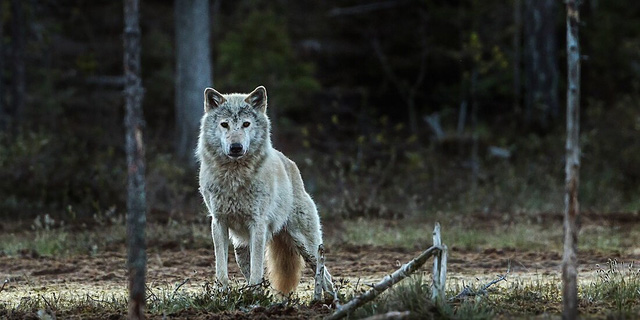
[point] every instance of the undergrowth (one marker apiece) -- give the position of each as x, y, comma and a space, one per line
164, 301
615, 294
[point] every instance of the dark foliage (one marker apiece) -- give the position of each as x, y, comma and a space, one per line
352, 81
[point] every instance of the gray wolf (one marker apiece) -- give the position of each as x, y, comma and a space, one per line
254, 194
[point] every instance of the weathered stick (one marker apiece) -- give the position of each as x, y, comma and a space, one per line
386, 283
317, 292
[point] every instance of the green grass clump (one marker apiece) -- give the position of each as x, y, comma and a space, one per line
414, 295
616, 291
166, 301
52, 306
211, 299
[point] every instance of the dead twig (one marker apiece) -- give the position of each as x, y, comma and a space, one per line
178, 287
151, 294
469, 292
4, 284
47, 302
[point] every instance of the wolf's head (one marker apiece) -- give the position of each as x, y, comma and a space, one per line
234, 126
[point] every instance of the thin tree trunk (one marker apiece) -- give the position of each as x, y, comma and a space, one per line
136, 196
572, 206
193, 72
18, 78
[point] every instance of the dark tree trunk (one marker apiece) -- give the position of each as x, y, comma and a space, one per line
541, 68
517, 53
18, 77
193, 72
136, 197
572, 206
475, 159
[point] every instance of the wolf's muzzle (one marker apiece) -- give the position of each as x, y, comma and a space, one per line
236, 150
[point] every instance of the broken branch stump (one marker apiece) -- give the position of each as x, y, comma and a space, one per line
317, 292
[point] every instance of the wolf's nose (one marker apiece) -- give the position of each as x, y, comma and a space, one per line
236, 148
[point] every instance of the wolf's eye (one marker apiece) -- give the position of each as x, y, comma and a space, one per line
246, 124
224, 125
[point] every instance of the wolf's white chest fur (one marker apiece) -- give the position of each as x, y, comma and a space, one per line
234, 195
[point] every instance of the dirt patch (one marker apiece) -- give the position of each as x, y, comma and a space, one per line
108, 270
102, 275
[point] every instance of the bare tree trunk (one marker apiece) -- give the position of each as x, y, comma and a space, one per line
136, 196
193, 72
541, 69
572, 206
18, 79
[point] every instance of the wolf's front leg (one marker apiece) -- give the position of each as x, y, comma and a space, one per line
257, 247
220, 234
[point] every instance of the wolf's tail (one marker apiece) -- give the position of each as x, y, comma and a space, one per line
284, 264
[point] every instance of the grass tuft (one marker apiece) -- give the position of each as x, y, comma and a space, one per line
211, 299
616, 291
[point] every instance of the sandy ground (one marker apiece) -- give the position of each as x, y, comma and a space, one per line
104, 274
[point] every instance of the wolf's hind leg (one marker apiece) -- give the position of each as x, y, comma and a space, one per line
243, 258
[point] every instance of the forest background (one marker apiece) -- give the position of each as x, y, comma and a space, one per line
392, 109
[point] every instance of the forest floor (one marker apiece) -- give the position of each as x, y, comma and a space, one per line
101, 277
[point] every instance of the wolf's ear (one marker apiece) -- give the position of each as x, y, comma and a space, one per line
212, 99
258, 99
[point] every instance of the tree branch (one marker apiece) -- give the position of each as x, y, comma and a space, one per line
389, 280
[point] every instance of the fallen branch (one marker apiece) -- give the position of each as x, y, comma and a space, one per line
386, 283
468, 292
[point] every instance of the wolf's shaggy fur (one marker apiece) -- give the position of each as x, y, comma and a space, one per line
254, 194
